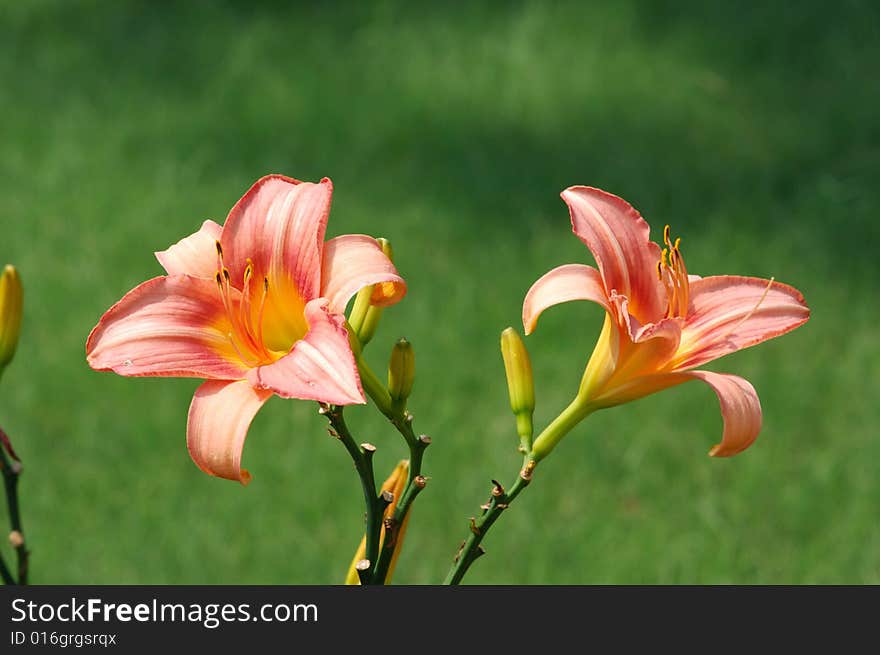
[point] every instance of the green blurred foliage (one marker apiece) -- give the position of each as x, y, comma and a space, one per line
751, 128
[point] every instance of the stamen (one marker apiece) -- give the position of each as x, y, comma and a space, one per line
241, 336
224, 294
675, 278
245, 306
260, 313
226, 287
670, 292
673, 297
683, 279
246, 360
219, 248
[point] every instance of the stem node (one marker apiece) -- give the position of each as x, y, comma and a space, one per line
363, 571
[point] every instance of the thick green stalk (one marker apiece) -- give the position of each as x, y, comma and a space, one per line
576, 412
375, 504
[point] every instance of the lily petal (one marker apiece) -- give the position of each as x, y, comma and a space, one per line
740, 409
194, 255
353, 261
279, 225
729, 313
562, 284
167, 326
320, 366
648, 350
619, 239
219, 417
625, 363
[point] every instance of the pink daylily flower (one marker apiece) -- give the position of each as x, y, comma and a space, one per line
661, 323
255, 307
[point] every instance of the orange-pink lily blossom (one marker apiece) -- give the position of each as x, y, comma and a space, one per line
256, 308
661, 323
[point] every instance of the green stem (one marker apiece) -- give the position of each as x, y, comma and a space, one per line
377, 391
5, 573
11, 472
414, 485
402, 421
576, 412
470, 549
362, 456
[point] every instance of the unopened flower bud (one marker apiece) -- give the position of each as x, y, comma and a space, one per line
353, 341
401, 373
520, 384
395, 484
11, 297
359, 311
375, 301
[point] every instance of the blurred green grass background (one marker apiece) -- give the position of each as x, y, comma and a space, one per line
751, 128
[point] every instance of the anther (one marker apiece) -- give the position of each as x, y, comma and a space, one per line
666, 235
219, 248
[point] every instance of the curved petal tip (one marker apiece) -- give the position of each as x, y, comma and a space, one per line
219, 417
740, 409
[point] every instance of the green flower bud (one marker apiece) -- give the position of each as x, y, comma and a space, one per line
401, 373
520, 384
364, 317
11, 297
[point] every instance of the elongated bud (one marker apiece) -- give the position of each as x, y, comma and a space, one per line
401, 373
11, 299
395, 484
359, 309
353, 341
520, 384
373, 311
